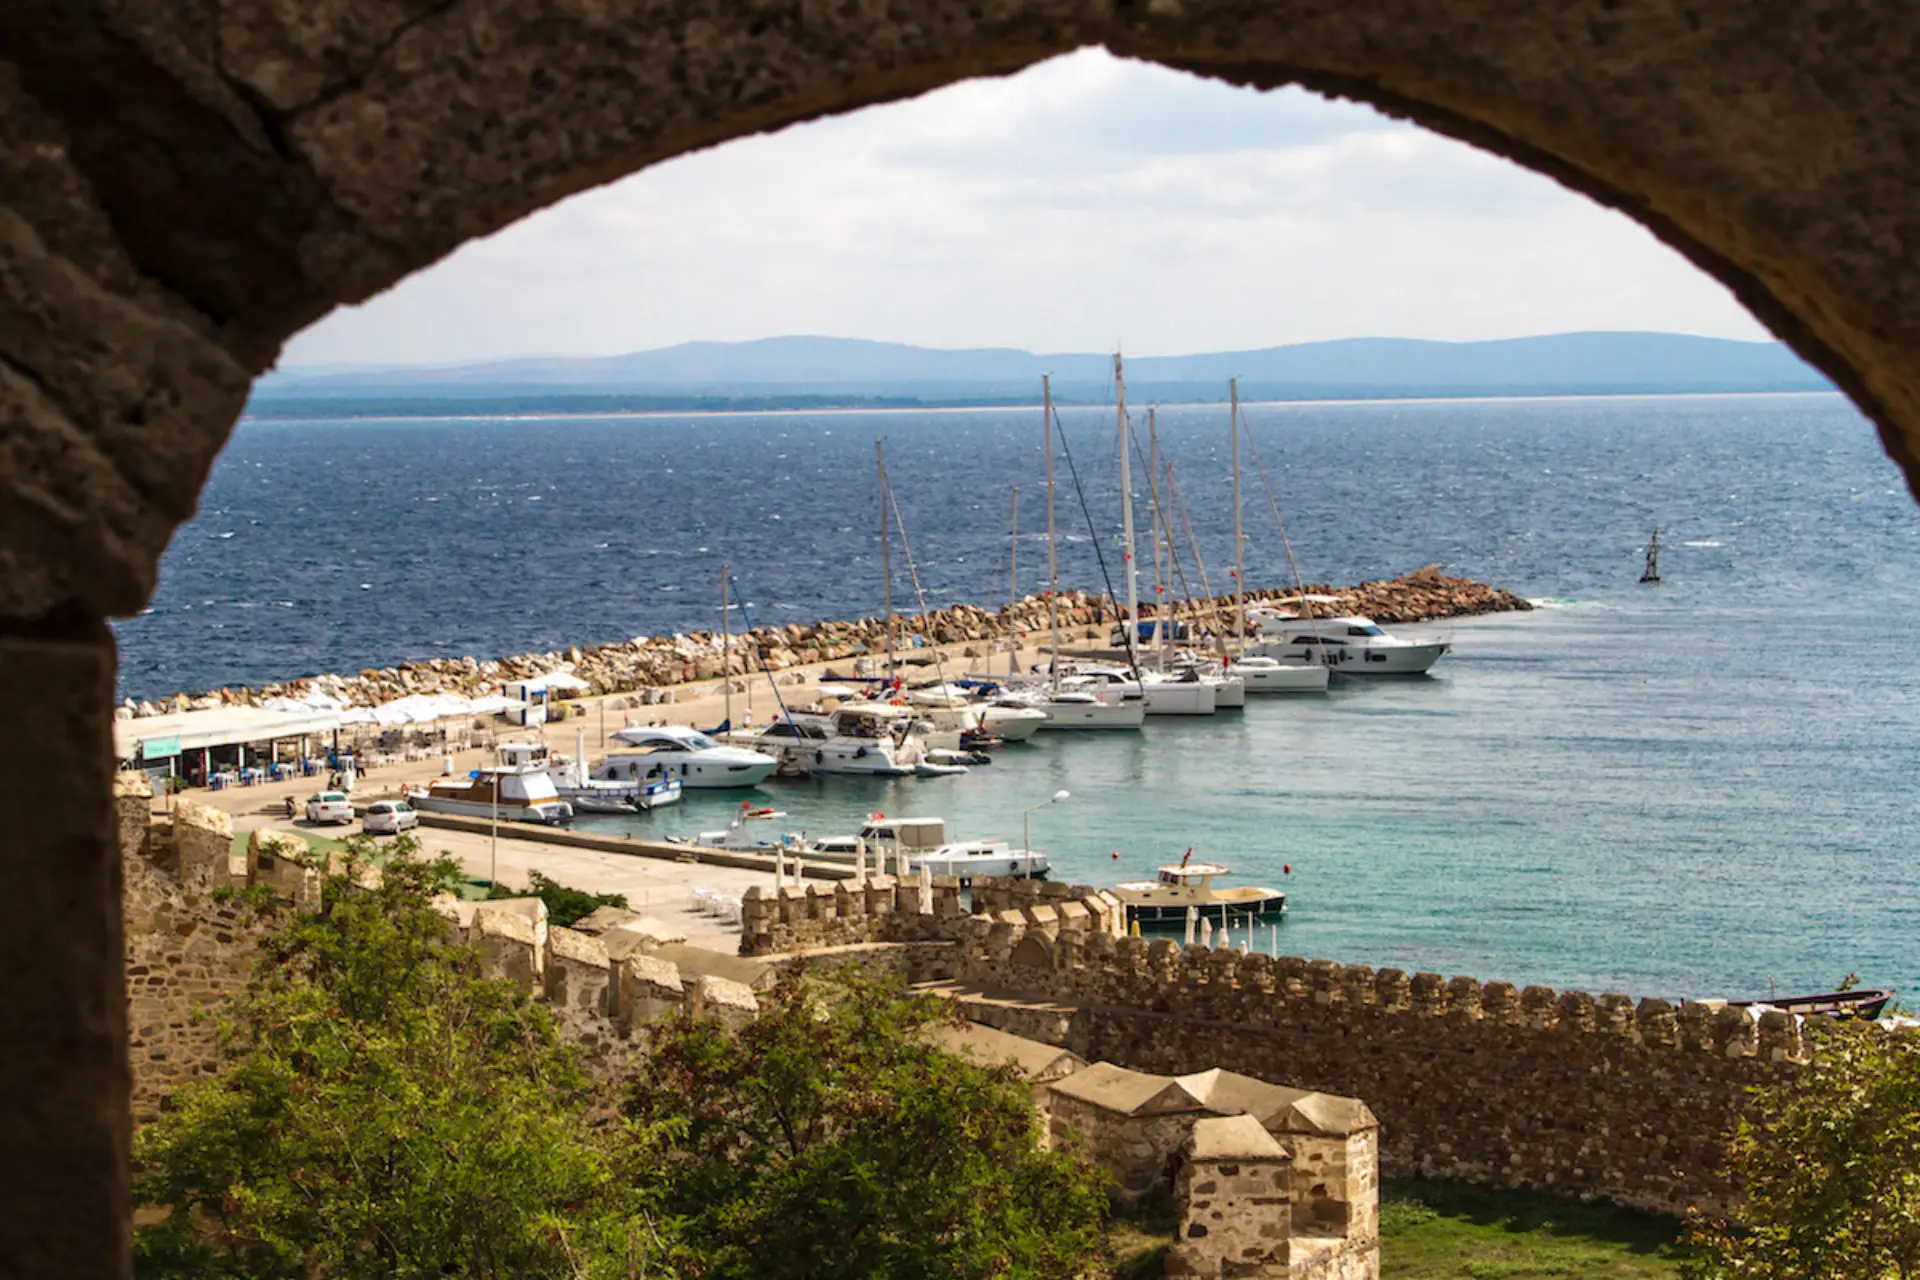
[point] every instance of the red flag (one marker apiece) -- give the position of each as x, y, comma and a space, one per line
1186, 855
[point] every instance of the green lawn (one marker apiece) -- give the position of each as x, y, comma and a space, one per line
1448, 1231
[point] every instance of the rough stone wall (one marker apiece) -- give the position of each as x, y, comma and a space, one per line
1583, 1096
1137, 1150
1235, 1209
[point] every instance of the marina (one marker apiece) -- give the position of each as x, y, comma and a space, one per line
1514, 812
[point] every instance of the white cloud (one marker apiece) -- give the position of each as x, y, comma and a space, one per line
1085, 202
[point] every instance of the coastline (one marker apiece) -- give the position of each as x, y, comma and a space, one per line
653, 662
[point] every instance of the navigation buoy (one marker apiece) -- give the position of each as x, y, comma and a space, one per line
1116, 855
1286, 868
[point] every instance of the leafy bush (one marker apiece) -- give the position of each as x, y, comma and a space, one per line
386, 1108
831, 1139
1831, 1168
564, 904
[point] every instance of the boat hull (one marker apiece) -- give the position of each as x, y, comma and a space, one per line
1094, 715
1287, 678
1220, 913
1010, 725
1363, 660
547, 814
1197, 699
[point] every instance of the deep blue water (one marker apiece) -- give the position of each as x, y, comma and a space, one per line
1686, 790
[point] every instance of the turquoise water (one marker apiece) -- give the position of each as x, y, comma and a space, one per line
1683, 790
1589, 796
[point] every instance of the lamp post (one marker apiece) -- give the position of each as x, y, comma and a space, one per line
1026, 826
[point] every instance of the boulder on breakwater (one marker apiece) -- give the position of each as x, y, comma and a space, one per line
647, 662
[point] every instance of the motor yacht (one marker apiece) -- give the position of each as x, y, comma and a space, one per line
1167, 897
687, 754
875, 739
1348, 646
508, 793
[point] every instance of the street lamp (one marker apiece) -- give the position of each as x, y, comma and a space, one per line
1026, 826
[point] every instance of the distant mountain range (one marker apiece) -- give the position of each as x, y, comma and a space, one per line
821, 372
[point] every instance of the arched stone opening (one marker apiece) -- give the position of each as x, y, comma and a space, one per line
186, 187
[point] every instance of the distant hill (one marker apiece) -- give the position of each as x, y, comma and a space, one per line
814, 372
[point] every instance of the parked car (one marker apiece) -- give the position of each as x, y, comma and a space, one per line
329, 806
389, 818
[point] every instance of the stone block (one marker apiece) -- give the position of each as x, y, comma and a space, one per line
578, 977
732, 1003
649, 989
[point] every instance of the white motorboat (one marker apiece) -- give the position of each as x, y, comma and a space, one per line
1070, 706
895, 845
874, 739
1348, 646
1167, 898
745, 834
588, 794
687, 754
510, 794
1267, 675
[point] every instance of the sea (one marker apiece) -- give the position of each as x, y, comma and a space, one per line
1699, 788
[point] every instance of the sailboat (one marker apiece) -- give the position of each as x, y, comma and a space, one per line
1071, 707
1652, 573
1262, 674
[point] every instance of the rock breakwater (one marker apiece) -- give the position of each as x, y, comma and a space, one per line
647, 662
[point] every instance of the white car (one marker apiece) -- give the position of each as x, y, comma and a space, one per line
329, 806
389, 818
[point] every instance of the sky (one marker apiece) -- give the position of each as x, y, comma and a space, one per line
1086, 204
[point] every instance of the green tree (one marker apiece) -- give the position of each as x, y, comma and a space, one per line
387, 1108
1830, 1165
831, 1140
565, 904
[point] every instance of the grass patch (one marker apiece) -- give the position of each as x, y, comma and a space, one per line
317, 843
1450, 1231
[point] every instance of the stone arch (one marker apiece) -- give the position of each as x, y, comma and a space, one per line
182, 187
1035, 951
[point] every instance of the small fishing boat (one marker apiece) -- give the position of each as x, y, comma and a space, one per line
1186, 885
512, 795
745, 833
1865, 1003
587, 794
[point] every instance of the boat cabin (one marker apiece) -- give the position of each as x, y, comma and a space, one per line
1193, 873
914, 836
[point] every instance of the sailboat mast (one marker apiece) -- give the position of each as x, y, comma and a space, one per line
1053, 555
886, 562
1239, 538
726, 647
1162, 633
1126, 512
1013, 581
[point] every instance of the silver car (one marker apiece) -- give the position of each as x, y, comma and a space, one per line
389, 818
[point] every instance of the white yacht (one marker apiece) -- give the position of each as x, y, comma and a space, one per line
687, 754
588, 794
1167, 897
1268, 675
509, 794
885, 843
875, 739
1071, 705
1349, 646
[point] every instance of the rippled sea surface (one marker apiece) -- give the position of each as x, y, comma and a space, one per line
1691, 789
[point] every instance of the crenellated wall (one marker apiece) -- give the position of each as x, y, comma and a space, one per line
1582, 1095
883, 909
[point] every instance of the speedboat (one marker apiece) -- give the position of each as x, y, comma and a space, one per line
508, 793
1348, 646
686, 754
1168, 896
744, 835
1268, 675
